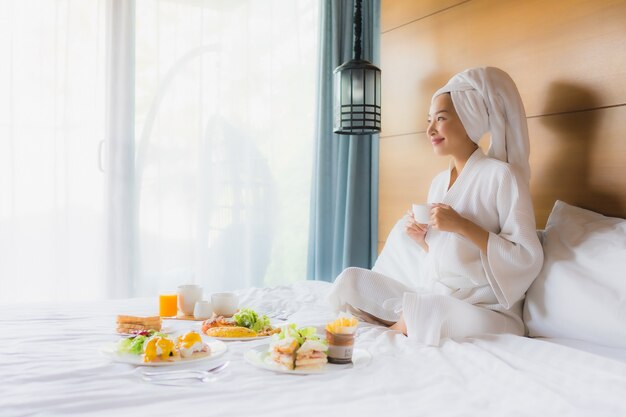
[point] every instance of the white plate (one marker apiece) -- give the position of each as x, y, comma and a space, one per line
110, 351
259, 356
164, 329
229, 339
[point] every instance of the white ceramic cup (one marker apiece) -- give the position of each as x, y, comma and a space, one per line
188, 295
203, 310
225, 303
421, 213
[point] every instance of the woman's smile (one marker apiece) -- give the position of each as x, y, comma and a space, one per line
446, 132
436, 140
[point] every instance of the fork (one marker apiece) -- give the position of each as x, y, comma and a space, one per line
279, 315
202, 374
184, 381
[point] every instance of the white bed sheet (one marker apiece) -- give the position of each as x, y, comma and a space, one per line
50, 366
606, 351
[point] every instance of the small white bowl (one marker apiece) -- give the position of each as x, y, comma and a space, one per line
202, 310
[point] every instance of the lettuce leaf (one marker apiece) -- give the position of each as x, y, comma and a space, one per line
300, 335
134, 345
246, 317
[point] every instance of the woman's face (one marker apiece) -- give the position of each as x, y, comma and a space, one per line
445, 130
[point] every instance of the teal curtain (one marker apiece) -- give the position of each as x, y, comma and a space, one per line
343, 229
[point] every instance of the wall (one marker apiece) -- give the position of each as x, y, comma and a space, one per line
568, 58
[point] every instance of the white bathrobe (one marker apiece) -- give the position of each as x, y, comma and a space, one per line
455, 290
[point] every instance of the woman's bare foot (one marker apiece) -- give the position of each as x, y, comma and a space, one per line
400, 326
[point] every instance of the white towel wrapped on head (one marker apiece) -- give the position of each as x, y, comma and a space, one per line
487, 100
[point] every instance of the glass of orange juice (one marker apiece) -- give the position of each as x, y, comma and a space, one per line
168, 305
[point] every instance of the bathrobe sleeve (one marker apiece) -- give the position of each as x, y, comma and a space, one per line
514, 255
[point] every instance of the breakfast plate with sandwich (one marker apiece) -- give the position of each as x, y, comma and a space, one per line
246, 324
153, 348
135, 325
300, 351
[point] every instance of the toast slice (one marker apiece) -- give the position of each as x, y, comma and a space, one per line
134, 324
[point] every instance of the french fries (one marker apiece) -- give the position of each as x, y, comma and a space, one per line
344, 324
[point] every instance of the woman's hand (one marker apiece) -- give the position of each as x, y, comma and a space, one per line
416, 231
445, 218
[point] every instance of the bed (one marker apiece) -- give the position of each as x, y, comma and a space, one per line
51, 366
574, 365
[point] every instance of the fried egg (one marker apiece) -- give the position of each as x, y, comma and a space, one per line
190, 343
158, 347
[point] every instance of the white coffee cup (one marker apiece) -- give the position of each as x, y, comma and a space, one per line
421, 213
188, 295
225, 303
203, 310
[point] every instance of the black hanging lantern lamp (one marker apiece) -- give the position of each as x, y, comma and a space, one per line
357, 90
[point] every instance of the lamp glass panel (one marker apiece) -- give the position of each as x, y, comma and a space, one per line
378, 88
358, 84
370, 88
337, 100
346, 96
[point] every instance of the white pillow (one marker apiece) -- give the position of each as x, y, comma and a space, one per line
580, 292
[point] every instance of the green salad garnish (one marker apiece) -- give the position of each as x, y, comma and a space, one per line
134, 344
246, 317
300, 335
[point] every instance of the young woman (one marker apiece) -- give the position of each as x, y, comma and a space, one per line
466, 272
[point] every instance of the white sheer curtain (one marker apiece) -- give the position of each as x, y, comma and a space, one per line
121, 253
208, 159
224, 127
51, 122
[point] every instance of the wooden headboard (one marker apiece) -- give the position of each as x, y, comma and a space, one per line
568, 58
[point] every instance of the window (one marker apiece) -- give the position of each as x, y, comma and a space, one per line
224, 114
51, 122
